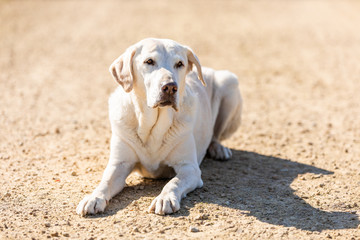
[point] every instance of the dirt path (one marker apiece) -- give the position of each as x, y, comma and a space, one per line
295, 172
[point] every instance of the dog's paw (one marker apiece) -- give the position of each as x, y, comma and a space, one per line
219, 152
91, 204
165, 204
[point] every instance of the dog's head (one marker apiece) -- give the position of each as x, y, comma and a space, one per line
155, 69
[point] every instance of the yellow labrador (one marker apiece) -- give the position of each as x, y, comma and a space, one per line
164, 118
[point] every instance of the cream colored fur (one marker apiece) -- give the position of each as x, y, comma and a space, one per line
169, 141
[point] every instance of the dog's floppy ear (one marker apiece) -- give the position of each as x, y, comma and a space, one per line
192, 58
122, 69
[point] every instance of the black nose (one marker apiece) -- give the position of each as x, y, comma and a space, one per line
169, 88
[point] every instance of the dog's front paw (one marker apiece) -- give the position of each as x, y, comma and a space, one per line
91, 204
219, 152
165, 204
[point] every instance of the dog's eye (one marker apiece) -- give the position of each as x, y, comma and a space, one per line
179, 64
150, 62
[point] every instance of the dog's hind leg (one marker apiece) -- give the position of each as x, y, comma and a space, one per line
229, 106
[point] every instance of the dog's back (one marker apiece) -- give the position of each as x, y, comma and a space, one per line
225, 101
222, 88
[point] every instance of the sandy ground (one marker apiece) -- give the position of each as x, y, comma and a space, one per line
295, 171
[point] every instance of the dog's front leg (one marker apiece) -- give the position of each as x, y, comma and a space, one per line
187, 179
121, 163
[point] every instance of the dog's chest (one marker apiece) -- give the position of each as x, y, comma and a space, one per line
155, 151
156, 136
153, 126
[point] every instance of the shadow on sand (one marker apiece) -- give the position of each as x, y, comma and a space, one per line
256, 184
260, 185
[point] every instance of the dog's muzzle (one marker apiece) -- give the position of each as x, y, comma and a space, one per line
167, 96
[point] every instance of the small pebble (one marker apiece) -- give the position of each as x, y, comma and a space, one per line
202, 217
47, 225
193, 229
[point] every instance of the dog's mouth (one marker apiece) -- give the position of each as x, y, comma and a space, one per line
166, 103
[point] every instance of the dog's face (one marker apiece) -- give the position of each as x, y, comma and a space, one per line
155, 69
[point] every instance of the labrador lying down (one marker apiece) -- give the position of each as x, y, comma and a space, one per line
164, 118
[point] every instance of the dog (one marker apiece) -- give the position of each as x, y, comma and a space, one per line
165, 117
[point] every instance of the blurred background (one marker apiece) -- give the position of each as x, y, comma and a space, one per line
298, 64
